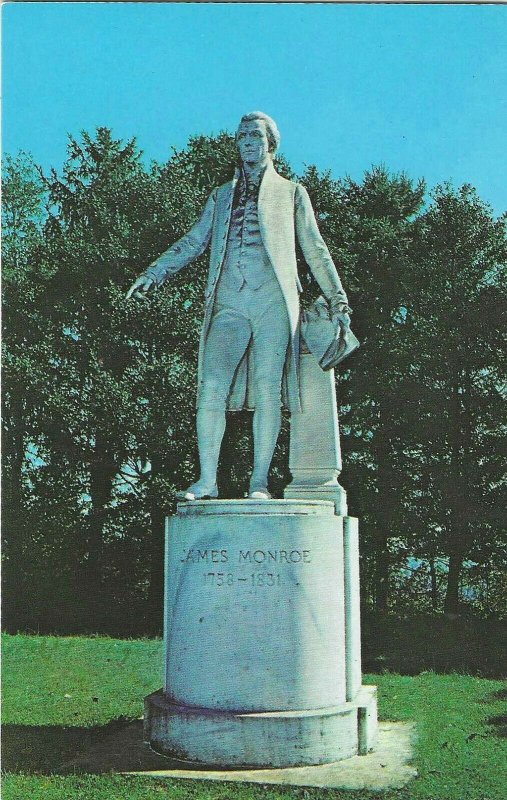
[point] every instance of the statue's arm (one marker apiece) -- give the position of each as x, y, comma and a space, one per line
186, 249
316, 253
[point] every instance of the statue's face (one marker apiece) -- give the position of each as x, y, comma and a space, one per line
252, 142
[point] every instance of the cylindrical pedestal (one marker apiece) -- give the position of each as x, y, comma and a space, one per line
255, 670
255, 611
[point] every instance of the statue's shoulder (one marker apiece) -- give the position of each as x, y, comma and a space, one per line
279, 186
287, 182
285, 187
281, 180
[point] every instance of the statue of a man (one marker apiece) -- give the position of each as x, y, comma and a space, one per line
249, 348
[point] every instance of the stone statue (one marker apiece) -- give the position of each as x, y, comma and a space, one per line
249, 348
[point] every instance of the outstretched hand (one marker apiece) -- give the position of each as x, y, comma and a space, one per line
140, 288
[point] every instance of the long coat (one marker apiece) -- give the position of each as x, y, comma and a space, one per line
284, 211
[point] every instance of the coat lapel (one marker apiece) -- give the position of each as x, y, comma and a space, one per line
221, 225
276, 221
225, 207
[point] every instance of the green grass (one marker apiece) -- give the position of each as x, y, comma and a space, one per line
62, 694
76, 681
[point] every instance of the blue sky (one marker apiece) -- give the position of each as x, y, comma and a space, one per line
420, 88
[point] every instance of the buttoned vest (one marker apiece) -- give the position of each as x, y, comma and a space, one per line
246, 260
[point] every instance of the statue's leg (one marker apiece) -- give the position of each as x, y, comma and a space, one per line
226, 344
266, 428
271, 333
210, 432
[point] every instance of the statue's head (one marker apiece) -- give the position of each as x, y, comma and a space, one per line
257, 135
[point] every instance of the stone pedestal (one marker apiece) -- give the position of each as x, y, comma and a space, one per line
259, 669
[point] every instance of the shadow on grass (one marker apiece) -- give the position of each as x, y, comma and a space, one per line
500, 724
56, 750
501, 694
53, 749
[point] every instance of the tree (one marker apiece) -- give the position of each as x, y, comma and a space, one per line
460, 318
25, 343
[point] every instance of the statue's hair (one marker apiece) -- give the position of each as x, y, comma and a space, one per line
271, 129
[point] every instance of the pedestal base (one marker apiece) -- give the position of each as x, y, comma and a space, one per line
262, 659
319, 491
265, 739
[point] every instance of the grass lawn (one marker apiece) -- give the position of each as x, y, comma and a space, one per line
60, 694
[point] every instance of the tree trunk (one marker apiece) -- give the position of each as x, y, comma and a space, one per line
386, 500
457, 494
156, 555
14, 524
13, 508
156, 590
102, 472
463, 529
452, 597
382, 570
434, 587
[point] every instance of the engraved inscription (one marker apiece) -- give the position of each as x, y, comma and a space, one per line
253, 556
206, 556
254, 568
218, 578
278, 556
259, 579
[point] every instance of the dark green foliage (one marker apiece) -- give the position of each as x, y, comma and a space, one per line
99, 394
410, 643
459, 322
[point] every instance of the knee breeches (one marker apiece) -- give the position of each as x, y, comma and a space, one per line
250, 319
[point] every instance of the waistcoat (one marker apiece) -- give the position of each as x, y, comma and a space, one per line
246, 260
